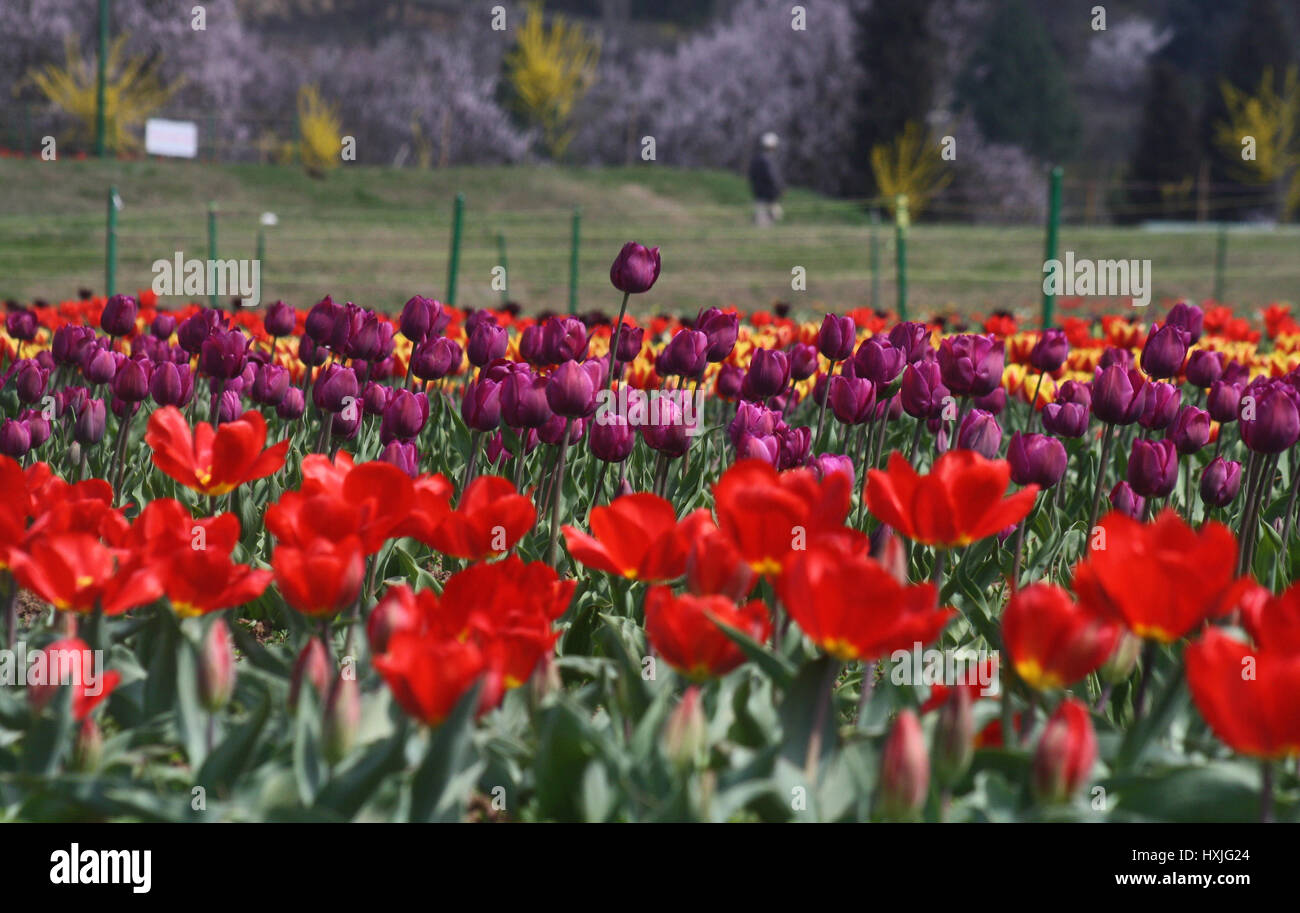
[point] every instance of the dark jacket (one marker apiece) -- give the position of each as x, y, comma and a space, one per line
765, 177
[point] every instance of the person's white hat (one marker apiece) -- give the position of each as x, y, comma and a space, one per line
770, 140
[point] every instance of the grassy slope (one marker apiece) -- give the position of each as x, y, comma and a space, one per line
378, 235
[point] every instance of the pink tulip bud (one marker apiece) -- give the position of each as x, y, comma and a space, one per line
905, 770
216, 667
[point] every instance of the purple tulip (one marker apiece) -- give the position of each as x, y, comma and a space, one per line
1204, 367
118, 317
311, 354
852, 399
403, 455
532, 345
1119, 396
321, 319
335, 387
375, 397
165, 384
30, 380
913, 339
292, 406
878, 361
971, 365
70, 343
1188, 317
196, 328
752, 418
375, 340
1153, 467
1165, 350
993, 402
434, 359
1223, 401
564, 339
270, 385
404, 417
980, 432
768, 374
630, 341
523, 400
686, 355
21, 324
837, 337
803, 361
635, 269
1125, 500
571, 389
1220, 482
15, 438
279, 319
922, 391
99, 367
1162, 405
1270, 421
796, 444
488, 343
481, 407
765, 447
163, 325
611, 438
224, 354
131, 382
1036, 459
553, 431
1050, 351
730, 380
92, 420
721, 329
1190, 430
416, 319
824, 464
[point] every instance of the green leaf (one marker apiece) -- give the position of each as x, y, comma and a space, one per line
441, 787
779, 669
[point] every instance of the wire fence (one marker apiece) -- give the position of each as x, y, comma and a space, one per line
825, 254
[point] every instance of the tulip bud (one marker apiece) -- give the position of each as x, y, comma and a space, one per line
488, 343
971, 365
292, 406
837, 336
1036, 459
118, 317
878, 361
1161, 408
1223, 401
21, 325
1119, 396
1204, 367
904, 770
313, 666
1220, 482
91, 423
1188, 317
686, 736
824, 464
1066, 751
635, 269
416, 319
403, 455
341, 719
99, 366
88, 750
1272, 425
954, 737
270, 385
1125, 500
15, 438
630, 341
1050, 351
1119, 665
571, 390
922, 391
768, 374
280, 319
980, 432
803, 361
216, 667
1164, 351
611, 438
434, 359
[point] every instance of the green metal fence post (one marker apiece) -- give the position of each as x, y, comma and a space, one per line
1220, 261
573, 261
212, 249
901, 221
110, 245
453, 263
1053, 230
99, 85
505, 269
875, 258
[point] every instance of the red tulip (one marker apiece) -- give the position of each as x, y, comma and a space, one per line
1250, 697
853, 608
212, 462
320, 578
1162, 579
1052, 640
684, 630
75, 572
634, 537
490, 518
1066, 751
959, 502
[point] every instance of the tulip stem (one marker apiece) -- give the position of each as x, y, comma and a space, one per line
119, 456
1289, 520
821, 413
916, 441
1266, 792
613, 342
1148, 662
559, 493
11, 610
825, 698
597, 488
1107, 439
1033, 406
470, 463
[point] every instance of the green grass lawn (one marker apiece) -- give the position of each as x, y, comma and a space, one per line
378, 235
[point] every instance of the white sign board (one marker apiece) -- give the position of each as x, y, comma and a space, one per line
176, 138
